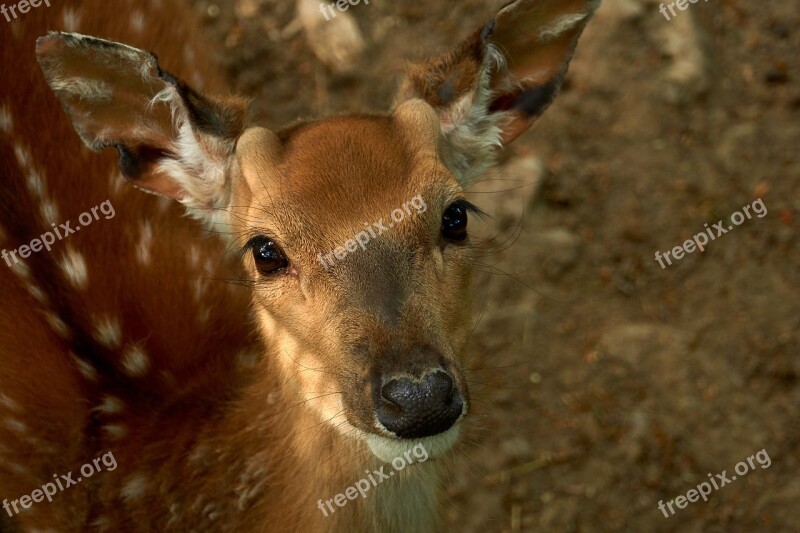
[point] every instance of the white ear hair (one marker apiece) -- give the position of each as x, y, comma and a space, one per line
474, 134
200, 165
493, 86
172, 141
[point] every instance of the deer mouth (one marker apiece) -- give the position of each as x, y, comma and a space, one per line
388, 449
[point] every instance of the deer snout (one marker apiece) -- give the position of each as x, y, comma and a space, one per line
416, 408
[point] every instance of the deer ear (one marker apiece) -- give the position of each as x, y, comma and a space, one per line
492, 87
171, 140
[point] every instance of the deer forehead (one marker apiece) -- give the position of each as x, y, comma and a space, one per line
344, 168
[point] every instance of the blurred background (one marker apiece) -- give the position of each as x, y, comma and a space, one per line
603, 383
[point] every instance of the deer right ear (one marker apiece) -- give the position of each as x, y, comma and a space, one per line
492, 87
171, 140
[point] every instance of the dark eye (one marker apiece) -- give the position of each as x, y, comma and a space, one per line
454, 222
269, 257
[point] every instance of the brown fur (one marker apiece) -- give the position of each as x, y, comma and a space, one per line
209, 432
192, 344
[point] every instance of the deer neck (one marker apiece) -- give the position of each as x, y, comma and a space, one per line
287, 457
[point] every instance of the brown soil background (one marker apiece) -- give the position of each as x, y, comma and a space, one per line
606, 383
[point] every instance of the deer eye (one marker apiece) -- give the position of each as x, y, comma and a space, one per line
268, 256
454, 221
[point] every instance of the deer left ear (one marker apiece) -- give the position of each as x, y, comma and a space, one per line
492, 88
171, 140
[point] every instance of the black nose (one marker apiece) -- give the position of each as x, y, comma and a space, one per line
415, 409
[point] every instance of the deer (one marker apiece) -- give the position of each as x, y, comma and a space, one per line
238, 382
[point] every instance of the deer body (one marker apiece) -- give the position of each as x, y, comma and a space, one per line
247, 405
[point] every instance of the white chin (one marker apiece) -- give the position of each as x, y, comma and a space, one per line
386, 449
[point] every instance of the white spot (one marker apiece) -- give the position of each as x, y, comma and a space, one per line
36, 183
194, 256
247, 358
116, 183
57, 324
108, 332
198, 455
37, 293
73, 265
20, 470
24, 157
111, 405
134, 488
9, 404
198, 289
6, 120
136, 362
85, 368
247, 496
137, 21
143, 249
21, 269
197, 80
42, 447
102, 524
211, 512
175, 514
17, 426
71, 20
115, 431
49, 211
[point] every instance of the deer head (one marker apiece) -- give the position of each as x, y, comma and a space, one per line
353, 230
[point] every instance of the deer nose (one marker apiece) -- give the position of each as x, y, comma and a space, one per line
412, 409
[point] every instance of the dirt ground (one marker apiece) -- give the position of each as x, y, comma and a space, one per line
605, 383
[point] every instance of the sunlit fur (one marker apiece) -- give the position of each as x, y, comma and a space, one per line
229, 437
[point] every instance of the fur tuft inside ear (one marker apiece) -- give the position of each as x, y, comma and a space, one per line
492, 87
171, 140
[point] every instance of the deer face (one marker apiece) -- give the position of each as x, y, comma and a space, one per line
373, 339
365, 309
